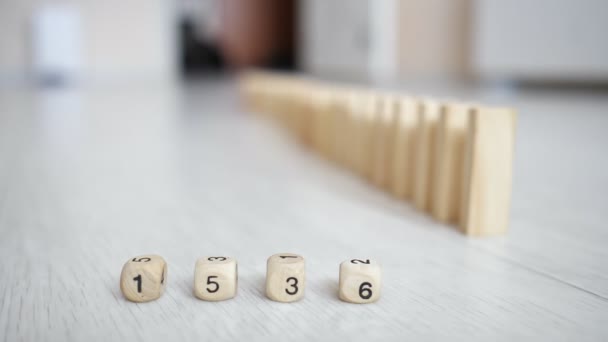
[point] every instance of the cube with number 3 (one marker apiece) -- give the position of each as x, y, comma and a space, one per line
285, 277
360, 281
143, 278
215, 278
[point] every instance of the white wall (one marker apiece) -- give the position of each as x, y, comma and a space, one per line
542, 39
334, 36
385, 39
134, 39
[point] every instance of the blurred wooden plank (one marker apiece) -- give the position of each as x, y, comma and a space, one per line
428, 116
487, 172
448, 155
406, 123
383, 143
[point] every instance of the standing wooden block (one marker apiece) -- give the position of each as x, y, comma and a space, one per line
449, 159
215, 278
143, 278
324, 122
353, 121
360, 281
339, 125
285, 277
422, 191
383, 143
404, 148
342, 129
487, 173
365, 133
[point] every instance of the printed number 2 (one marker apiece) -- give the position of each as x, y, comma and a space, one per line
294, 285
138, 280
209, 282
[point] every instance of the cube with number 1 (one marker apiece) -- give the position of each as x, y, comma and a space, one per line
143, 278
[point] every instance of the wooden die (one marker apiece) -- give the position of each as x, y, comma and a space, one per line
143, 278
215, 278
360, 281
285, 277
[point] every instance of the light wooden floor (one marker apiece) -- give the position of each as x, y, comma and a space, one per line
89, 178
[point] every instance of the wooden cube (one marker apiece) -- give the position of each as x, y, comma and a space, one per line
285, 277
360, 281
215, 278
143, 278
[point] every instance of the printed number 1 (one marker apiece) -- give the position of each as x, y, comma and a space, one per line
138, 280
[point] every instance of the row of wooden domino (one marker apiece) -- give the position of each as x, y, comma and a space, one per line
450, 159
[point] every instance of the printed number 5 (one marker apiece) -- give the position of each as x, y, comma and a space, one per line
365, 292
145, 259
294, 285
209, 282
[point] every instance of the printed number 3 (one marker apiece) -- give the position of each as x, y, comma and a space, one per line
294, 285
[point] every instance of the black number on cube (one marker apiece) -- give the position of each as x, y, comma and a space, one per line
294, 287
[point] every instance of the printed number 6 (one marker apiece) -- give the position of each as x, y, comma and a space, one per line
365, 292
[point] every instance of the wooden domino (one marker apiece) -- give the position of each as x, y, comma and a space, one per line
383, 140
424, 163
448, 161
487, 171
143, 278
402, 174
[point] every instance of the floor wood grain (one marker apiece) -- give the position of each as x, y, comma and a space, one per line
91, 177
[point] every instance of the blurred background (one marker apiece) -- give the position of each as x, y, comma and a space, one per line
544, 41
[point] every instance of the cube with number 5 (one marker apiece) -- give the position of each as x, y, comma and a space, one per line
143, 278
360, 281
215, 278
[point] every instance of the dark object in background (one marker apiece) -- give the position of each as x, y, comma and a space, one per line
197, 55
259, 33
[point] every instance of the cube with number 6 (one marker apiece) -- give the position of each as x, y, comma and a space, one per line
143, 278
360, 281
285, 277
215, 278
